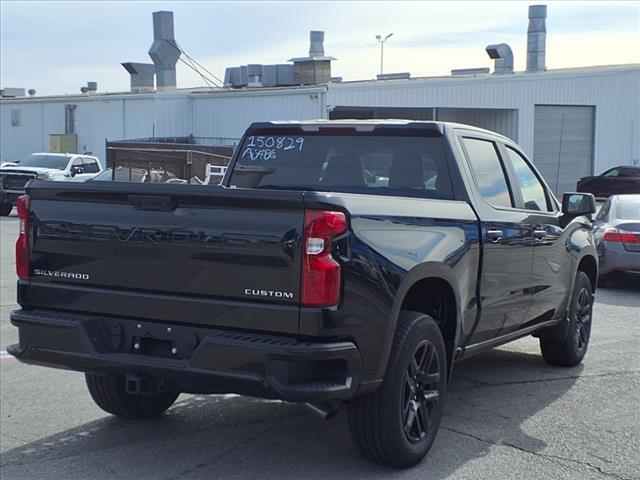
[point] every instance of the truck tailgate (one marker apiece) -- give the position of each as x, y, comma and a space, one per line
201, 255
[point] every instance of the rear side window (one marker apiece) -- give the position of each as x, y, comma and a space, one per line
629, 208
630, 172
384, 165
488, 172
533, 194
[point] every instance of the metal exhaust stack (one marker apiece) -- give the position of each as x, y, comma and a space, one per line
316, 43
141, 76
164, 51
536, 39
503, 57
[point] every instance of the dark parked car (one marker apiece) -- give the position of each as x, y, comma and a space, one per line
340, 264
624, 179
617, 234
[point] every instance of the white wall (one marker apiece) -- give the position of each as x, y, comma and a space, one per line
222, 116
227, 115
614, 91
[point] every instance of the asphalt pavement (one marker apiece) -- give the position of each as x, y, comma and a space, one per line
508, 416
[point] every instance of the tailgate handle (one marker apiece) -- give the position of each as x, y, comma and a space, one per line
153, 203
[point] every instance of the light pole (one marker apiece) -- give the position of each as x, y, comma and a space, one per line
381, 41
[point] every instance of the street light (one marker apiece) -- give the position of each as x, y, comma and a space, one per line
381, 41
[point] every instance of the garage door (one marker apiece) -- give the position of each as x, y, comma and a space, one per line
563, 144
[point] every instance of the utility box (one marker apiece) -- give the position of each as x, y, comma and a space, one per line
63, 143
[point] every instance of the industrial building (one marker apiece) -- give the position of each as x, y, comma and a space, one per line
571, 122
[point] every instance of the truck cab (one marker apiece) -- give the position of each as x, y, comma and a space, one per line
45, 166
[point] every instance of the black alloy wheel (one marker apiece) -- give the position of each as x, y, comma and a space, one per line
421, 393
583, 308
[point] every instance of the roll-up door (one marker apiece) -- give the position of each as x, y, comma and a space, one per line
563, 144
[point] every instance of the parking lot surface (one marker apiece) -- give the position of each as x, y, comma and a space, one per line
508, 416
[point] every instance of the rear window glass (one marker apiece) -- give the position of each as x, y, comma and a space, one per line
629, 208
385, 165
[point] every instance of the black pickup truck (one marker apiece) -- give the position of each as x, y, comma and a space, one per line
340, 263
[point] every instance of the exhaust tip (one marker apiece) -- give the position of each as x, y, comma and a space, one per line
326, 411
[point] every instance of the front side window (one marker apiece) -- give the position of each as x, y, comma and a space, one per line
488, 172
533, 194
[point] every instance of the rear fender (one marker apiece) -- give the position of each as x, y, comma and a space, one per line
420, 272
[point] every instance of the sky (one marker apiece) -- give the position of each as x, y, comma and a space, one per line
56, 47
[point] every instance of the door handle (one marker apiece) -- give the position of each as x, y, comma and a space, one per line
539, 234
494, 236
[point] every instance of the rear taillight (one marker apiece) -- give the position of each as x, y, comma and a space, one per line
618, 236
320, 271
22, 244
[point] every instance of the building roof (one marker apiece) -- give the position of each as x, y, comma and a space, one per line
516, 76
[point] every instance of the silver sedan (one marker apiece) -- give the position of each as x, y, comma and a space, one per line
617, 234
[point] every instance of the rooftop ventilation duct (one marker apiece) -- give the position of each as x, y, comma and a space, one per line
470, 71
393, 76
316, 43
141, 76
254, 75
503, 57
11, 92
164, 51
316, 68
537, 38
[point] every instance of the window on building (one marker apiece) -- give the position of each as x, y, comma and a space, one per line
488, 172
16, 117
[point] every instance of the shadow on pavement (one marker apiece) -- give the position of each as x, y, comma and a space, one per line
617, 291
234, 437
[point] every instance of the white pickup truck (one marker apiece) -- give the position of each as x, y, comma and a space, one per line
44, 166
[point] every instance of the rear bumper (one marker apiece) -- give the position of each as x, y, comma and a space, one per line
614, 258
194, 360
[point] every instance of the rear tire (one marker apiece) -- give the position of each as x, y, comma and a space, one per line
396, 425
5, 209
567, 347
108, 392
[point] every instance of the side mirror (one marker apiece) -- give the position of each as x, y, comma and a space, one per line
576, 204
76, 170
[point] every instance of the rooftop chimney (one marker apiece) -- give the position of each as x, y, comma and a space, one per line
536, 39
164, 51
316, 43
141, 76
503, 57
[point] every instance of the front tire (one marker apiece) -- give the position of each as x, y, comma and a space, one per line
108, 392
396, 425
5, 209
567, 348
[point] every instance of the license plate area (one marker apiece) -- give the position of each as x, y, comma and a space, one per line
155, 347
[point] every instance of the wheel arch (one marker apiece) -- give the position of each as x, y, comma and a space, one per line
428, 277
589, 265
